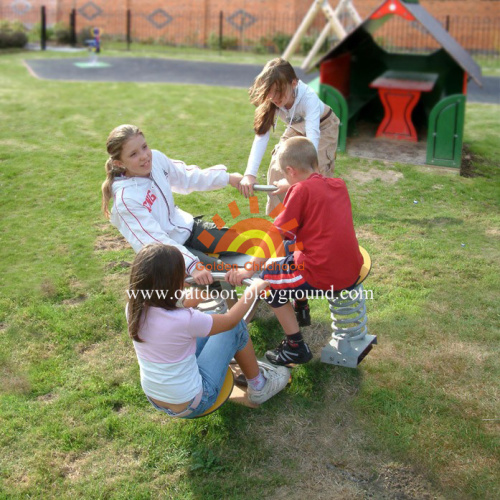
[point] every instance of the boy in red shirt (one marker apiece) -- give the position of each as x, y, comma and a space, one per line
318, 219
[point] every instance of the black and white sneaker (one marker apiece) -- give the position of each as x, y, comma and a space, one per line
302, 313
287, 354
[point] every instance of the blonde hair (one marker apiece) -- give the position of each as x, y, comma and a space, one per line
114, 146
299, 153
276, 72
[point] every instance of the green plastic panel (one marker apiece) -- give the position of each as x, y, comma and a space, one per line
314, 84
445, 132
333, 98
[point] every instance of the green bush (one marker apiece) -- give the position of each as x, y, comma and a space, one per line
281, 40
12, 35
265, 45
306, 43
228, 42
36, 32
62, 33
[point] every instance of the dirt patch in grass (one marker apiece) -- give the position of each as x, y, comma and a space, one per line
493, 231
99, 357
117, 463
467, 168
317, 336
364, 234
333, 448
74, 301
386, 176
48, 289
117, 266
333, 457
12, 382
47, 398
110, 242
366, 145
117, 283
472, 163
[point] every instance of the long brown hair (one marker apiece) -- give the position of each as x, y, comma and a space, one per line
279, 72
114, 146
158, 270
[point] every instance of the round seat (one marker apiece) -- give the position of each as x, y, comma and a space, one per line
225, 392
366, 267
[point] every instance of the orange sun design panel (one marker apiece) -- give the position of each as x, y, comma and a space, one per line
254, 204
206, 238
234, 209
218, 221
277, 210
291, 224
296, 246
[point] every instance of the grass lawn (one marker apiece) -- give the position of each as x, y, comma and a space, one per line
419, 418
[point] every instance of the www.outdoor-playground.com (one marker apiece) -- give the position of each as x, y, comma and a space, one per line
207, 293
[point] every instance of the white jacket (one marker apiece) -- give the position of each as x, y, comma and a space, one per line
144, 210
304, 116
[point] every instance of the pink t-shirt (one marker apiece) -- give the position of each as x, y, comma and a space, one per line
170, 336
167, 361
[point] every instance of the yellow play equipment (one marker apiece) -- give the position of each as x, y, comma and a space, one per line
350, 342
225, 392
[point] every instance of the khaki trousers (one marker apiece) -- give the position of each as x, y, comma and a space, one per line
327, 148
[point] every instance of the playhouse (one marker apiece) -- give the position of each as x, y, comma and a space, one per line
411, 97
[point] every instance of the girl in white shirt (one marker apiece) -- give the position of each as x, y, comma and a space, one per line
278, 93
183, 353
141, 183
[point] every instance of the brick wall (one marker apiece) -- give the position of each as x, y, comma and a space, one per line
191, 22
296, 8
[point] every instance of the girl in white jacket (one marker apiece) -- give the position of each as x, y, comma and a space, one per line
278, 93
141, 182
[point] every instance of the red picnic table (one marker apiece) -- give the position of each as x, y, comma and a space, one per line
399, 92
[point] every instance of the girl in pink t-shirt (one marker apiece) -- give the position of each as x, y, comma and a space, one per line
183, 353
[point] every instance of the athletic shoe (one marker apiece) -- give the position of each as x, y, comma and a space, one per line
303, 314
277, 378
285, 354
241, 380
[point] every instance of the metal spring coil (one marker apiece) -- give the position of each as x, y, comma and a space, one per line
349, 311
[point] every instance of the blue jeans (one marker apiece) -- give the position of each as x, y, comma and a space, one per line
213, 355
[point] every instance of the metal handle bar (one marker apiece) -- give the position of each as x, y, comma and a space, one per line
264, 187
218, 276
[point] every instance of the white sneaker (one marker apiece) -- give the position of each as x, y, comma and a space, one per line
277, 378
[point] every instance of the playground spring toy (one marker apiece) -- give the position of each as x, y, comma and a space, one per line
94, 44
350, 341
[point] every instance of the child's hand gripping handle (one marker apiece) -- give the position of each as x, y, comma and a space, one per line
218, 276
258, 286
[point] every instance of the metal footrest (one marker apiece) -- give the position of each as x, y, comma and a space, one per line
348, 353
350, 342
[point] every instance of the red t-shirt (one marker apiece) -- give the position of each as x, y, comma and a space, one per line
326, 244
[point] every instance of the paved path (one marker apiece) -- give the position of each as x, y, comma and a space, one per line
125, 69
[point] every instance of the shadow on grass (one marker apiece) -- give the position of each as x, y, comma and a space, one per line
218, 469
